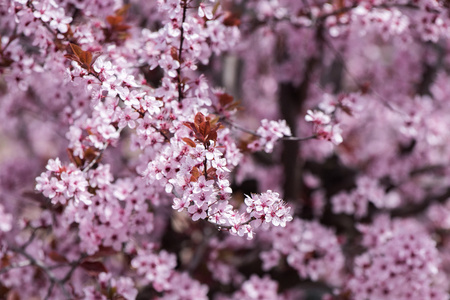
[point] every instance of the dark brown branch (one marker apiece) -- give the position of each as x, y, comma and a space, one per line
411, 209
180, 51
284, 138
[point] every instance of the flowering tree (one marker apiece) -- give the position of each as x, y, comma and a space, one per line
224, 149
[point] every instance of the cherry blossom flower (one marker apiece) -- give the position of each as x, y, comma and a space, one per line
269, 133
317, 117
6, 220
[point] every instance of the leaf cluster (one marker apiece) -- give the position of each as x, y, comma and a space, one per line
117, 31
204, 128
84, 58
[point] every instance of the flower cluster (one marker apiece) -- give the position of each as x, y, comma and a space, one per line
268, 208
323, 128
197, 173
356, 202
63, 183
159, 270
313, 258
109, 286
257, 288
400, 264
268, 133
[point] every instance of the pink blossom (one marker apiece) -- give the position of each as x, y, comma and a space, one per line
269, 132
169, 64
317, 117
204, 11
6, 220
198, 212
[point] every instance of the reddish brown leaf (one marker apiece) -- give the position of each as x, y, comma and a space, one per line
84, 58
102, 252
117, 31
199, 118
189, 125
204, 128
212, 136
174, 53
4, 261
225, 99
231, 20
347, 110
13, 295
6, 62
90, 154
214, 120
121, 27
93, 267
74, 159
76, 49
217, 127
234, 105
195, 172
56, 257
365, 87
114, 20
339, 4
72, 57
189, 142
123, 10
211, 172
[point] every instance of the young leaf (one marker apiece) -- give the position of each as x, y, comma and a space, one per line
56, 257
189, 125
74, 159
102, 252
84, 58
93, 267
204, 129
212, 135
199, 118
195, 172
123, 10
225, 99
211, 172
231, 20
189, 142
76, 50
114, 20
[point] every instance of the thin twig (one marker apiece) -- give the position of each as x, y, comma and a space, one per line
161, 132
75, 264
298, 139
240, 128
339, 56
51, 276
284, 138
18, 265
30, 240
50, 290
11, 38
180, 50
227, 227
